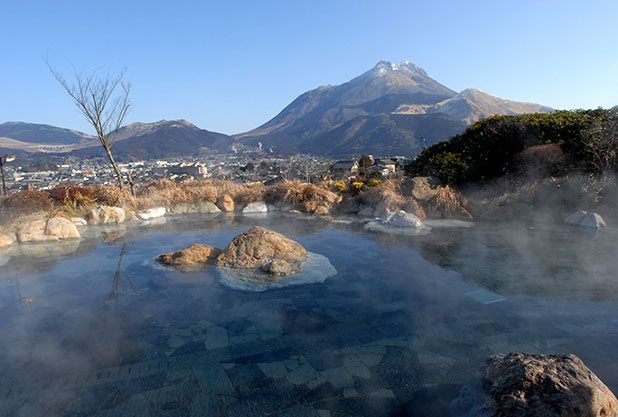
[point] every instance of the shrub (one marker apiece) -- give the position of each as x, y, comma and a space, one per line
542, 160
357, 186
373, 182
341, 186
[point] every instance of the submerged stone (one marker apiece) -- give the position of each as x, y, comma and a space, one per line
317, 269
528, 384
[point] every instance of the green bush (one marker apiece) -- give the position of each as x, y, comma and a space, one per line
488, 147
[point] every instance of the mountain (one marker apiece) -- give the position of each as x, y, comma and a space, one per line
366, 134
379, 90
162, 139
472, 105
389, 109
159, 140
385, 110
42, 134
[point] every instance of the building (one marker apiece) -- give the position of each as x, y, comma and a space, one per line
344, 169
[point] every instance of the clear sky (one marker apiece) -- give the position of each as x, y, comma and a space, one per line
229, 66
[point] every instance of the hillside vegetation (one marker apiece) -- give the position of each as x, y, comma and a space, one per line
581, 140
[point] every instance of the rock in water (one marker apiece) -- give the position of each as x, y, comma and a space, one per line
256, 207
152, 213
585, 219
61, 228
225, 203
190, 257
534, 385
263, 249
401, 219
399, 222
5, 240
55, 228
106, 214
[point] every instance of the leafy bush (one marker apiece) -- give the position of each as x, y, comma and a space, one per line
488, 147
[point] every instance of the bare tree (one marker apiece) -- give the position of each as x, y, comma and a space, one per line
104, 101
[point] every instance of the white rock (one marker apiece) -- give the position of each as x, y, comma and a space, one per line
399, 222
585, 219
78, 221
152, 213
256, 207
106, 214
401, 219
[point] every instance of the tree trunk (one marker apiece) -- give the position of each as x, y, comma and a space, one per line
116, 170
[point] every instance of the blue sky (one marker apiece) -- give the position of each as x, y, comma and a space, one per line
229, 66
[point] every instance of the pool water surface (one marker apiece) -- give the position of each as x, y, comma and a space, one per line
97, 328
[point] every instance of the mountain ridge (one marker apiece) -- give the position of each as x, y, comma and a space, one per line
387, 109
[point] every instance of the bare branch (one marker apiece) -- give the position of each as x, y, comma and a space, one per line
92, 94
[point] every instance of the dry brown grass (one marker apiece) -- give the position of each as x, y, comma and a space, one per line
390, 196
110, 195
449, 203
23, 204
303, 196
166, 193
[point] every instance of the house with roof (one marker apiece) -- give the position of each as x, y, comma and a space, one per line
344, 169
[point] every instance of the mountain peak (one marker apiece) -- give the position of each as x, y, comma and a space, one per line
407, 67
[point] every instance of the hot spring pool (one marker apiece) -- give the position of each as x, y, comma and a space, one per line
96, 328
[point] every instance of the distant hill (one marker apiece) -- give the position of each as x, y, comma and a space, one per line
160, 140
379, 112
472, 105
42, 134
163, 139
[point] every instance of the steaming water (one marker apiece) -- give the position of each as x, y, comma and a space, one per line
95, 328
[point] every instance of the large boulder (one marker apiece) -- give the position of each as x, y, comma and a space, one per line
266, 250
225, 203
152, 213
196, 255
534, 385
585, 219
56, 228
105, 215
61, 228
